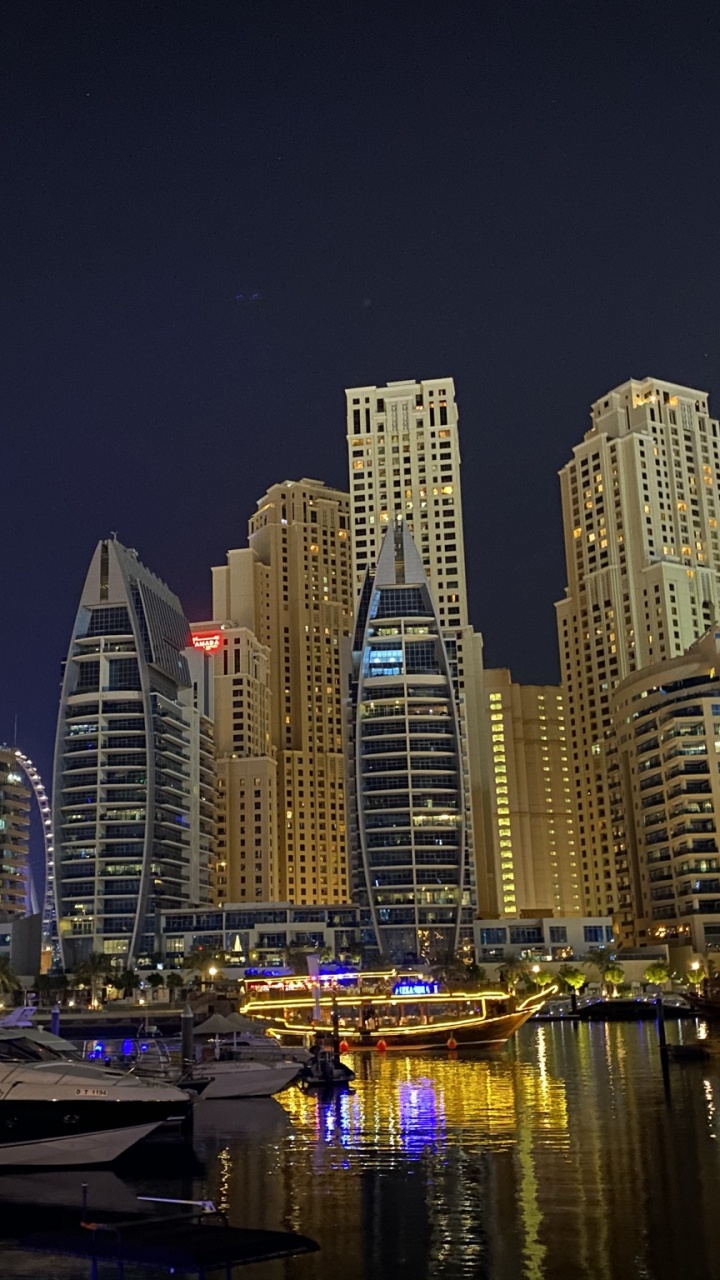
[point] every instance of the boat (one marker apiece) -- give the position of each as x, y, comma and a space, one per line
227, 1078
228, 1069
411, 1012
228, 1066
56, 1111
707, 1002
326, 1070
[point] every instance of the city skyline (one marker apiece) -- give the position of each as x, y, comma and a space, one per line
217, 275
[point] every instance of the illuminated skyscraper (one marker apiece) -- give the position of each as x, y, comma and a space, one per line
667, 729
292, 589
127, 829
529, 802
412, 873
14, 837
246, 868
404, 460
640, 514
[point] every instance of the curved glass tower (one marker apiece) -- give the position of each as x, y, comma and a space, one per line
122, 811
408, 781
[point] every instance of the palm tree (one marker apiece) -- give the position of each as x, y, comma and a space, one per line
155, 980
93, 970
296, 959
126, 981
697, 973
9, 981
657, 973
614, 974
543, 978
476, 976
196, 960
602, 959
514, 975
173, 982
573, 978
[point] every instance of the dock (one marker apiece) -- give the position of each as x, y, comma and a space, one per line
188, 1245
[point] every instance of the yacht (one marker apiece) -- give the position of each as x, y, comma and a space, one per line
250, 1067
56, 1111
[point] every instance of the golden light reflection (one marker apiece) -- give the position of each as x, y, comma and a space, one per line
223, 1192
710, 1106
406, 1103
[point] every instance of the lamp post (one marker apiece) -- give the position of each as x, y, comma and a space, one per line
212, 971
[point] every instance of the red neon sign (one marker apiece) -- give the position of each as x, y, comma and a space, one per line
208, 641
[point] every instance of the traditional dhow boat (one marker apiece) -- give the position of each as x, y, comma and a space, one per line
412, 1015
55, 1111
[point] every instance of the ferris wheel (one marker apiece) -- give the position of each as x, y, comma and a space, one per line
47, 894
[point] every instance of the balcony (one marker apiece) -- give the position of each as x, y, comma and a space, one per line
690, 767
690, 788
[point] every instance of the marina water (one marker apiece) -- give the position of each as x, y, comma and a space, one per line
560, 1157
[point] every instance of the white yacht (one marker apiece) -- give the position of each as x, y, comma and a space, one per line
229, 1078
55, 1111
237, 1064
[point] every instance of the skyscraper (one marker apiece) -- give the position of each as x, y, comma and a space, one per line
640, 516
667, 727
123, 787
404, 460
292, 589
412, 874
247, 866
529, 806
14, 837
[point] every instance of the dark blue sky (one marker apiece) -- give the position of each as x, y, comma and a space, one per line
522, 196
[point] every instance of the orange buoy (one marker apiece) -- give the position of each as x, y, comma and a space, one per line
381, 1046
344, 1046
452, 1043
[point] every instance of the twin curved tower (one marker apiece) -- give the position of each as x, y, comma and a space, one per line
122, 777
407, 786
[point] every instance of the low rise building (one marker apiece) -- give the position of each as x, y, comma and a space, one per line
263, 931
546, 938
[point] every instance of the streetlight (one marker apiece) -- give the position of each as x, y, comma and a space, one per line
536, 968
212, 971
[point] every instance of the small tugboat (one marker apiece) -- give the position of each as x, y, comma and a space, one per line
411, 1013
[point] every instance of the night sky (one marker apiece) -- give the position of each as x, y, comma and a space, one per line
216, 216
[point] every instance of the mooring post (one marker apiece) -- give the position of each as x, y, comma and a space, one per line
660, 1018
186, 1031
662, 1043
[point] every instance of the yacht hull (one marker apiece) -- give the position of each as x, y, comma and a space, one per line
65, 1150
246, 1079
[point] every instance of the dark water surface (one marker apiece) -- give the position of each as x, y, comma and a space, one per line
559, 1158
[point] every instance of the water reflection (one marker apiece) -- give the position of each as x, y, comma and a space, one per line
559, 1158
